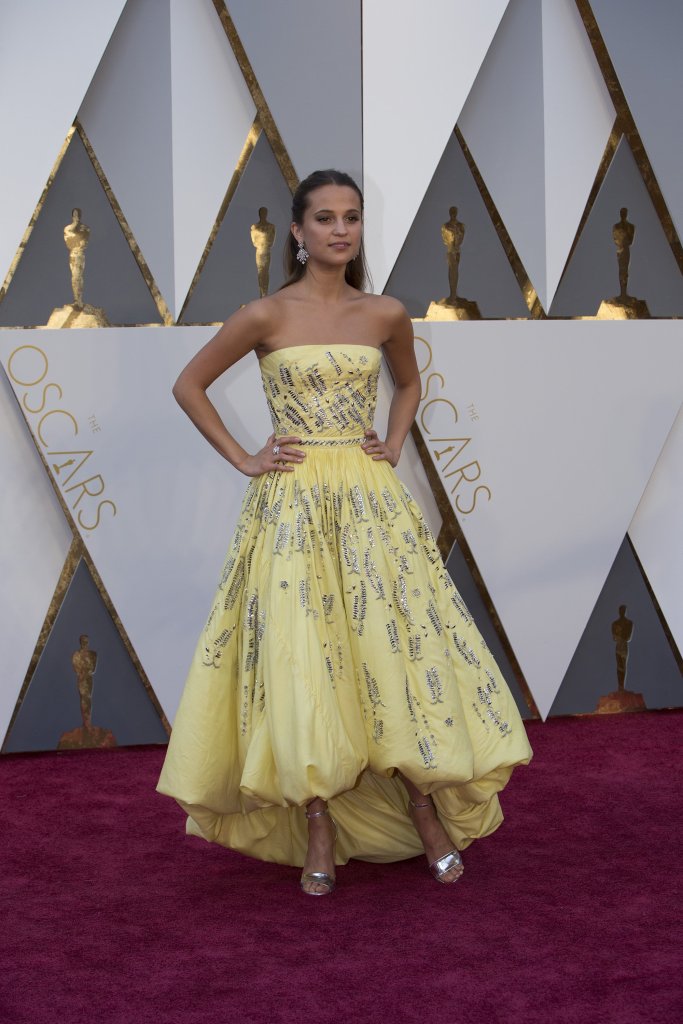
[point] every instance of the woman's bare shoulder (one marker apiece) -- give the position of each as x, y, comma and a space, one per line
385, 304
386, 308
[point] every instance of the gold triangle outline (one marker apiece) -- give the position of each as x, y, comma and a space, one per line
266, 118
608, 155
253, 135
678, 655
159, 301
667, 633
523, 280
67, 572
624, 125
627, 125
36, 213
77, 129
78, 550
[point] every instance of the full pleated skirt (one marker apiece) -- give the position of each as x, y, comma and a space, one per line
337, 651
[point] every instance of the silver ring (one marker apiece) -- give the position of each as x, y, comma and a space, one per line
276, 449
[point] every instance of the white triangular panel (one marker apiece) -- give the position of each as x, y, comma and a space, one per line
656, 531
578, 117
547, 434
537, 122
419, 63
159, 530
212, 114
34, 542
47, 60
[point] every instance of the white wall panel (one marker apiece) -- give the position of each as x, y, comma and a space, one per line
48, 55
418, 67
547, 434
34, 541
657, 534
212, 112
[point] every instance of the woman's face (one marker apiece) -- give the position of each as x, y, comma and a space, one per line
333, 226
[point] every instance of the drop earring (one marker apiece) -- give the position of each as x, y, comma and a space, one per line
302, 254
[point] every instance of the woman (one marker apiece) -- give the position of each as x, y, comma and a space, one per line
338, 665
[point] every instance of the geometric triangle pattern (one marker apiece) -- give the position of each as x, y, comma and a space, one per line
229, 275
631, 643
148, 496
655, 532
298, 87
112, 280
34, 542
170, 191
126, 113
592, 273
537, 121
212, 96
545, 507
420, 274
63, 47
85, 691
417, 72
644, 44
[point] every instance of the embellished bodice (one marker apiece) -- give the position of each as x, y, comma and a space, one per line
325, 391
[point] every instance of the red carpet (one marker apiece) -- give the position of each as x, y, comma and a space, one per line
567, 914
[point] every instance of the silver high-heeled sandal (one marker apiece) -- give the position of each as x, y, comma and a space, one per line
320, 877
442, 865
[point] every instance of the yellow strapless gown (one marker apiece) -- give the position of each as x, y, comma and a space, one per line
337, 650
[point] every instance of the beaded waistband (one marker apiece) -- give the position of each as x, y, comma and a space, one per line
344, 440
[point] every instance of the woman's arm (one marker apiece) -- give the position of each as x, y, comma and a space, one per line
239, 335
399, 349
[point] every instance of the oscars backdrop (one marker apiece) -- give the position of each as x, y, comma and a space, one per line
521, 167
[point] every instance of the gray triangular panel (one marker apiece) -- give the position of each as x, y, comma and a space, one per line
42, 281
651, 668
228, 278
420, 275
592, 274
122, 712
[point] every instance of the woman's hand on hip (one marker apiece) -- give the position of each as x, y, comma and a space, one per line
276, 454
379, 449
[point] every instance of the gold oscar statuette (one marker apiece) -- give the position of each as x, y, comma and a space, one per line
84, 662
77, 313
623, 306
262, 238
454, 307
621, 699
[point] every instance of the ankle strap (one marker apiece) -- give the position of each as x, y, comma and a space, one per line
413, 804
316, 814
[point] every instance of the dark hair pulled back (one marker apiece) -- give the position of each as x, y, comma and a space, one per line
356, 270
